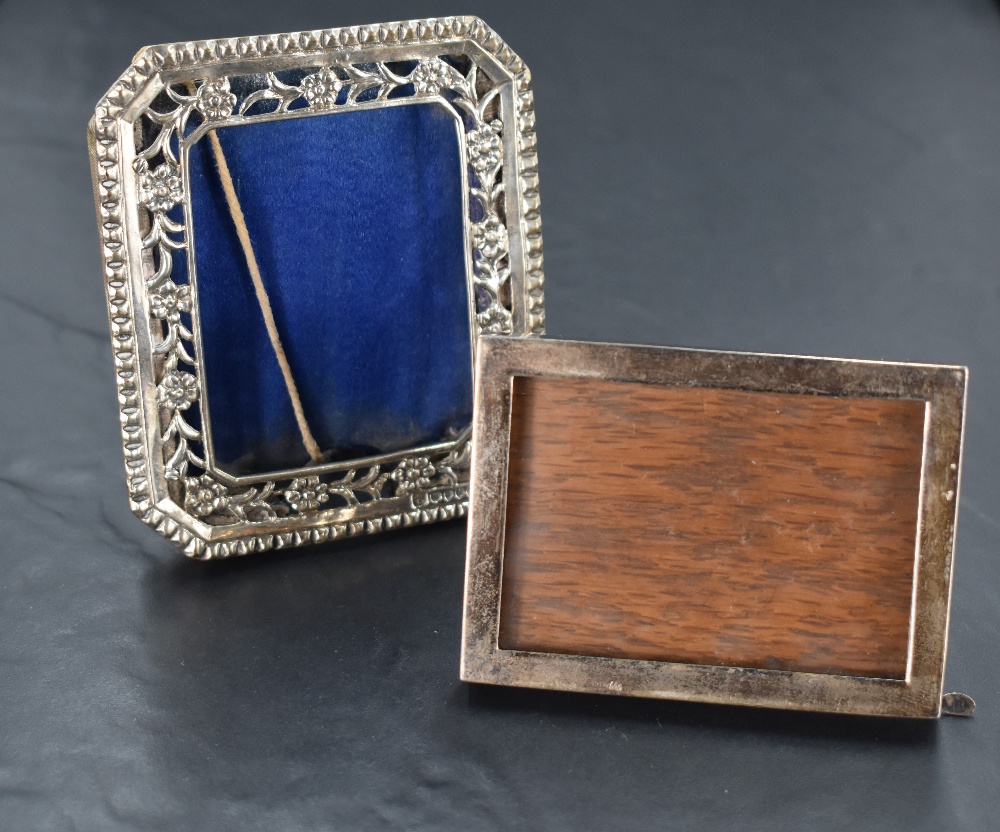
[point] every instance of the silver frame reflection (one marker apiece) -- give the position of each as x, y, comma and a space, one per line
943, 388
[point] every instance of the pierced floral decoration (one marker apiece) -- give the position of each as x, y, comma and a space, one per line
169, 300
322, 88
485, 147
160, 188
178, 390
215, 101
307, 494
203, 495
490, 237
434, 484
413, 474
495, 320
432, 76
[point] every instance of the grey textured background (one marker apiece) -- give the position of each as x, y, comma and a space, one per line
805, 177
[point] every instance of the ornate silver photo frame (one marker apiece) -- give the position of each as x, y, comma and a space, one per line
731, 528
167, 107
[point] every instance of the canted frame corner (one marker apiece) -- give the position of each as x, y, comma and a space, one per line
138, 139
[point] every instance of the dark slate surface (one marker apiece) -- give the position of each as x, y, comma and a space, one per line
801, 177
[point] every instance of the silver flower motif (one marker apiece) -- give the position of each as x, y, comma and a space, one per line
485, 147
322, 88
413, 474
215, 101
432, 76
160, 188
496, 320
307, 494
490, 237
169, 300
178, 390
203, 495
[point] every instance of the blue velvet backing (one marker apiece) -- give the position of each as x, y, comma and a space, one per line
357, 226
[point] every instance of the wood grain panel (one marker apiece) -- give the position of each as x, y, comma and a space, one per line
711, 526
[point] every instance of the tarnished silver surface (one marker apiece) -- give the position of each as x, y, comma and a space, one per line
139, 140
500, 359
